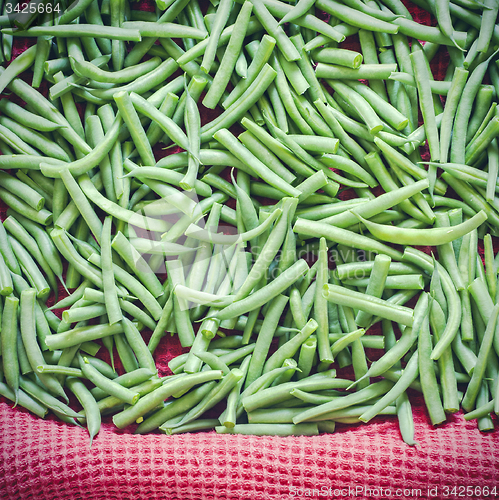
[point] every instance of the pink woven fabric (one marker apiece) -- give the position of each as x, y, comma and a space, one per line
46, 459
49, 460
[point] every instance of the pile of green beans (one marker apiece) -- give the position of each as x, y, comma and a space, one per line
98, 213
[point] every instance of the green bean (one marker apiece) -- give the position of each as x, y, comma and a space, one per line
167, 107
405, 419
483, 102
15, 143
329, 210
180, 312
349, 166
67, 250
228, 62
261, 296
221, 18
343, 236
375, 286
267, 156
112, 404
47, 110
125, 352
426, 33
478, 373
53, 66
49, 260
362, 107
193, 125
270, 429
107, 385
107, 117
437, 87
356, 17
89, 161
83, 313
463, 112
22, 190
445, 364
279, 393
340, 57
482, 141
369, 304
95, 135
471, 197
427, 376
373, 207
126, 380
309, 21
23, 399
130, 117
259, 59
82, 30
434, 236
269, 250
33, 185
225, 239
84, 396
243, 104
111, 302
213, 361
481, 411
138, 346
141, 84
400, 348
373, 390
283, 96
409, 374
137, 263
384, 110
264, 339
133, 285
469, 174
289, 349
407, 165
172, 130
164, 30
28, 333
277, 148
22, 63
7, 252
6, 285
30, 269
364, 71
9, 344
81, 334
422, 76
43, 397
368, 341
27, 118
454, 308
479, 292
349, 338
151, 400
115, 210
488, 116
174, 408
487, 26
82, 203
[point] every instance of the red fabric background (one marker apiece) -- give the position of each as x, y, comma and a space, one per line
46, 459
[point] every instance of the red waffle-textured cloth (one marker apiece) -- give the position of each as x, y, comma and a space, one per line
46, 459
